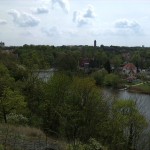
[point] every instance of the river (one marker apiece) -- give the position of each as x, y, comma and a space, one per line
142, 100
143, 103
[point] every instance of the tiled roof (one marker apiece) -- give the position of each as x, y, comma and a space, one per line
129, 66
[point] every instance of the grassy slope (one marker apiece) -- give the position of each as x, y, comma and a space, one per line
19, 137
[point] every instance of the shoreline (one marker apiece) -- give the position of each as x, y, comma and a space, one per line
134, 90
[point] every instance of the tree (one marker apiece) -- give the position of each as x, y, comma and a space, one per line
99, 76
102, 58
127, 123
11, 102
112, 80
137, 60
5, 79
66, 62
85, 112
117, 61
33, 90
52, 115
107, 66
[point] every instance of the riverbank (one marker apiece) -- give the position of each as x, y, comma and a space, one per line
143, 88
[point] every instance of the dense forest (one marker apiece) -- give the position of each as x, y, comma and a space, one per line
71, 104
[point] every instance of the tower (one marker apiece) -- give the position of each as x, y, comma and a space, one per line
94, 43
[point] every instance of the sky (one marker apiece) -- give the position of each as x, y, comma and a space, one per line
75, 22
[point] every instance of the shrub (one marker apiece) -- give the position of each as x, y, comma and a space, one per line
1, 147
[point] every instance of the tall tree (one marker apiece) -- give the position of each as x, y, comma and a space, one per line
127, 123
107, 66
55, 91
85, 112
11, 102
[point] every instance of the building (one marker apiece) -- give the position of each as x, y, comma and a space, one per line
94, 43
130, 69
2, 44
45, 75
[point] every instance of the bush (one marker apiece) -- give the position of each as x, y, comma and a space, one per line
99, 76
112, 80
1, 147
17, 119
92, 145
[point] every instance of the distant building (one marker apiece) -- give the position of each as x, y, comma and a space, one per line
2, 44
45, 75
130, 69
94, 43
87, 64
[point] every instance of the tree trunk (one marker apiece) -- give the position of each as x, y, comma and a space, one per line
4, 115
130, 140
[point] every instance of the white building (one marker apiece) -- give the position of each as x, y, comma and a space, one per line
45, 75
2, 44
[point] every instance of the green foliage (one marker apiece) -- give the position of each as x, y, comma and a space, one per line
84, 110
55, 89
99, 76
67, 106
66, 62
107, 66
127, 123
17, 119
1, 147
91, 145
112, 80
11, 102
117, 61
102, 58
5, 79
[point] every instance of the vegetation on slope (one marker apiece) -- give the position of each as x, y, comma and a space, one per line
70, 106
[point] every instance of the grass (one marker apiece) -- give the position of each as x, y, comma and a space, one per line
26, 134
142, 88
21, 130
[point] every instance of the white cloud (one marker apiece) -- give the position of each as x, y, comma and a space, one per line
64, 4
51, 32
127, 25
40, 10
3, 22
90, 12
84, 17
23, 19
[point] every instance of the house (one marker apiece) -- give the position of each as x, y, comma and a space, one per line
87, 64
129, 69
84, 62
2, 44
45, 75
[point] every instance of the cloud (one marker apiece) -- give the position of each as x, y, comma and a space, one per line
84, 17
51, 32
3, 22
23, 19
90, 12
26, 34
127, 25
40, 10
64, 4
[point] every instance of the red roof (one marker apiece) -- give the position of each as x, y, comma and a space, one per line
129, 66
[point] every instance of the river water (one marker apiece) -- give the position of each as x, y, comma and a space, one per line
142, 100
143, 103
